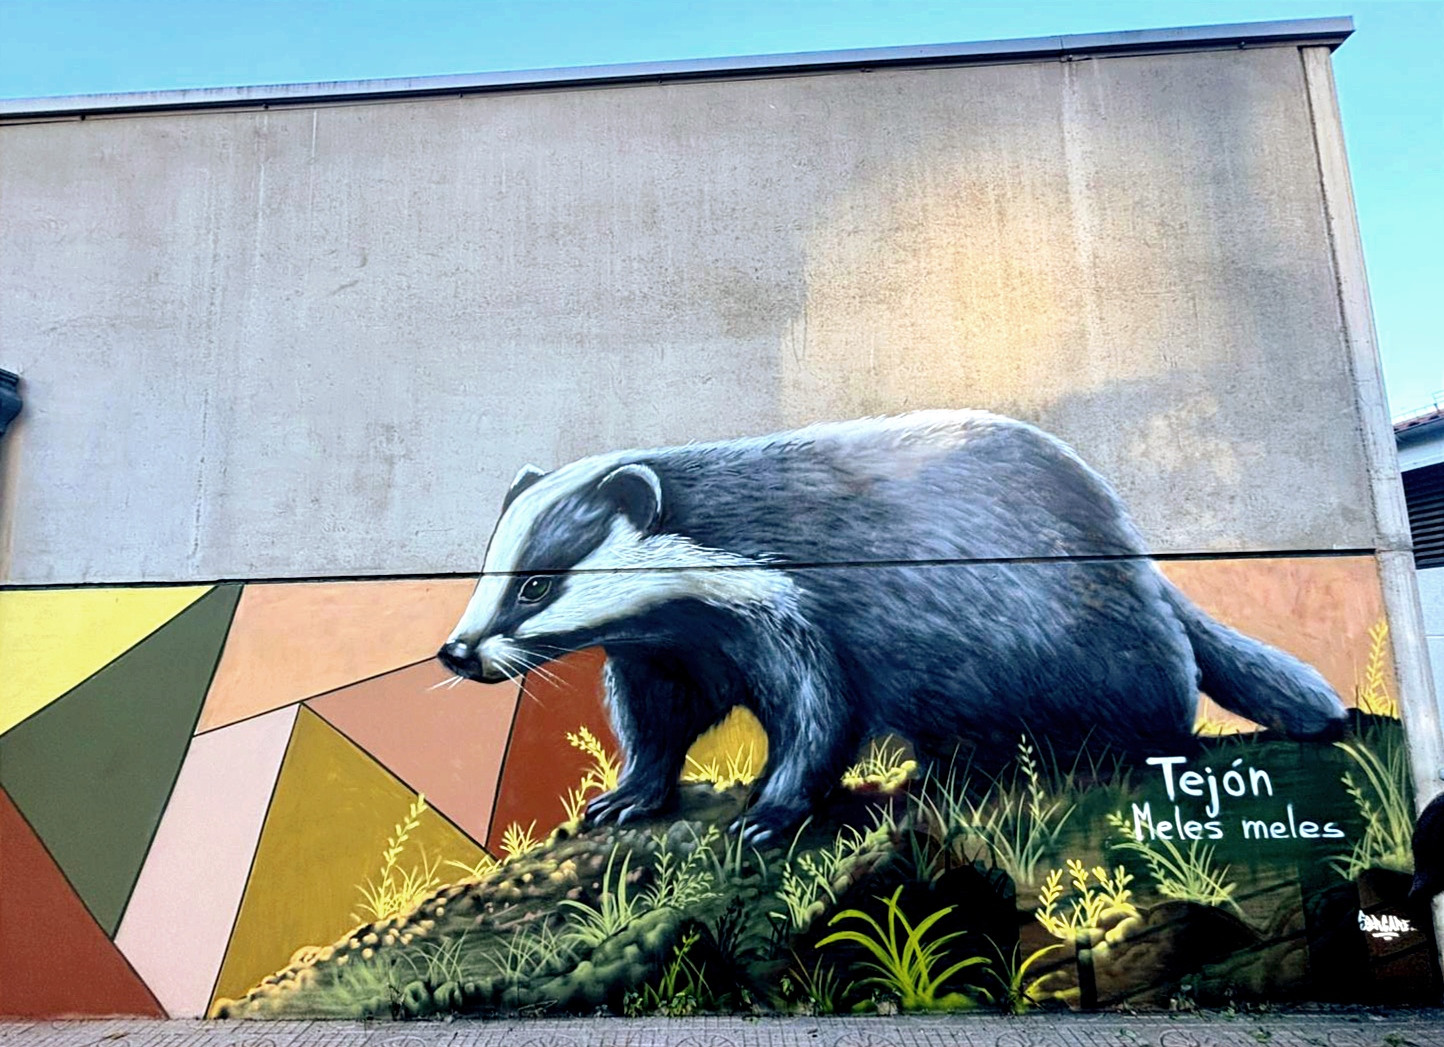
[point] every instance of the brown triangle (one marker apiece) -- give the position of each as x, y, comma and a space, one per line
56, 960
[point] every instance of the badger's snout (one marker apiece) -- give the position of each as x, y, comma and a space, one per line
469, 662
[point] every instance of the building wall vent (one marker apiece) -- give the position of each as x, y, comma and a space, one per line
1424, 493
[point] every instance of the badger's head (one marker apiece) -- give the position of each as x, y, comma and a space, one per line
557, 538
581, 557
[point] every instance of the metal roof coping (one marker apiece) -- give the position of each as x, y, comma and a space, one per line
1330, 32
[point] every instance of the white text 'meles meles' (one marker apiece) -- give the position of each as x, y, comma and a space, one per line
1236, 782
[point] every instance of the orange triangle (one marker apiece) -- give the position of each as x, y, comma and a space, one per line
55, 960
295, 640
444, 740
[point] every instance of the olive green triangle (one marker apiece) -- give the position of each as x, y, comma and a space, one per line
93, 771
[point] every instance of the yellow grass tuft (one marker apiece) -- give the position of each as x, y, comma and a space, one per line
1091, 902
516, 841
599, 778
736, 768
1371, 694
477, 870
1207, 728
884, 767
398, 890
732, 753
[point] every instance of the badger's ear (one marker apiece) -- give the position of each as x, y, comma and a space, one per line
637, 494
525, 477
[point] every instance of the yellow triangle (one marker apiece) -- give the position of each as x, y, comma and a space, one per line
52, 639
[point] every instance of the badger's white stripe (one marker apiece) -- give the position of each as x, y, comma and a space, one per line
630, 573
514, 529
914, 432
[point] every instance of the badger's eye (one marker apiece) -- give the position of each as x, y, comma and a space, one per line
534, 589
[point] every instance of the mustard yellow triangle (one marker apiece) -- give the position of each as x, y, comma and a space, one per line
52, 639
322, 856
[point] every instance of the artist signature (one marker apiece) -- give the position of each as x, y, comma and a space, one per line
1386, 927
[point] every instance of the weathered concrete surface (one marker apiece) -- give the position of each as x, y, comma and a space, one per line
318, 341
1377, 1029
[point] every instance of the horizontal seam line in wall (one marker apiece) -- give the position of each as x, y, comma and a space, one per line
1265, 554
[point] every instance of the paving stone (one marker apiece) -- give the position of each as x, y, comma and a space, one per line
1372, 1029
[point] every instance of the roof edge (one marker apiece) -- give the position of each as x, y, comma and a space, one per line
1330, 32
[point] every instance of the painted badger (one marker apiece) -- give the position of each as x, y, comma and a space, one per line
951, 577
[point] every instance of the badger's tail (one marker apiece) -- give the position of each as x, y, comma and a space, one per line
1262, 683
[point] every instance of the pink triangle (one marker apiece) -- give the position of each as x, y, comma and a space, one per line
179, 919
445, 741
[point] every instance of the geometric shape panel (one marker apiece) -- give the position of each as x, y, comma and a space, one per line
55, 961
443, 739
541, 766
334, 808
1319, 609
55, 638
296, 640
92, 771
184, 905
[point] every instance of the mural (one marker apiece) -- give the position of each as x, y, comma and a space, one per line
889, 715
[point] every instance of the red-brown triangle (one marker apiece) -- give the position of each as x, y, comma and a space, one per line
56, 960
541, 765
443, 738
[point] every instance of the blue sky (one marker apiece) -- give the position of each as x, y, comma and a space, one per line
1390, 89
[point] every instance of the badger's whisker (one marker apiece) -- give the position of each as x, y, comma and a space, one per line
545, 673
513, 666
529, 693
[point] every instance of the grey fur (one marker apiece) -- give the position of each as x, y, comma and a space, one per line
954, 577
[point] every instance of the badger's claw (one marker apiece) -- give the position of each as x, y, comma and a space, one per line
632, 813
759, 836
764, 826
621, 805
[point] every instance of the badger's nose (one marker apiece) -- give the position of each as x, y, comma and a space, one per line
460, 659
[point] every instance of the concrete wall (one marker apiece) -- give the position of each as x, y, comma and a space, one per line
317, 341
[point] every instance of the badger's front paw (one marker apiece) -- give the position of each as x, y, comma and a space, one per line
767, 825
623, 805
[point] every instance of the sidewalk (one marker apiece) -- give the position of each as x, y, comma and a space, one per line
1375, 1029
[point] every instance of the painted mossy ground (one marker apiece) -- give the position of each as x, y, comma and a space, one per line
956, 891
